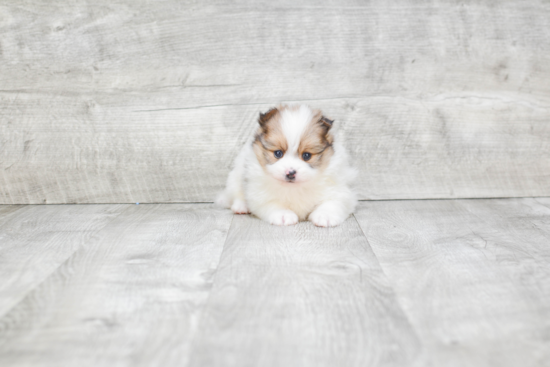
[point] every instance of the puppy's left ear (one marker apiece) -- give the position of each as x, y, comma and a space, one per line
265, 117
326, 123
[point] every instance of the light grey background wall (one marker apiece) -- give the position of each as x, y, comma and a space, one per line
138, 101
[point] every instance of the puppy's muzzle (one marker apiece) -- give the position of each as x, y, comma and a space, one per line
291, 175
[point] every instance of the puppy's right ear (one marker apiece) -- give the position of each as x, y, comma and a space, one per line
326, 123
265, 117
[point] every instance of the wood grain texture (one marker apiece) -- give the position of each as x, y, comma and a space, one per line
301, 296
473, 276
140, 102
132, 296
36, 240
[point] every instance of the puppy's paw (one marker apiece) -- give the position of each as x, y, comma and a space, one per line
283, 218
239, 207
323, 218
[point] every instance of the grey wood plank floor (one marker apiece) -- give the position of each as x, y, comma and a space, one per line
287, 296
473, 276
131, 296
36, 240
400, 283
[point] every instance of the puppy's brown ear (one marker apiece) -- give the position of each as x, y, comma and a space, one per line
265, 117
326, 123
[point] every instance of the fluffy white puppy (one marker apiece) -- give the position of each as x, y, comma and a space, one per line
292, 170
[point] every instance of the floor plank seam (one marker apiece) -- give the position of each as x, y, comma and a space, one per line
207, 301
405, 313
39, 284
371, 248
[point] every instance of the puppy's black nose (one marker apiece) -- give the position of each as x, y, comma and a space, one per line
291, 175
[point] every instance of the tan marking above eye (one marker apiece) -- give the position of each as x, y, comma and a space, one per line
318, 149
316, 137
269, 139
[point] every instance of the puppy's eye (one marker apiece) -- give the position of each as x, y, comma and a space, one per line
278, 154
306, 156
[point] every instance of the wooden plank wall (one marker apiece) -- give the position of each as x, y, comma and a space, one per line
132, 101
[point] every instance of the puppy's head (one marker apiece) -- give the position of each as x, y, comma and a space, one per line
293, 144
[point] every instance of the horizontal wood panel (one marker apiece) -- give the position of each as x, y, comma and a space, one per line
439, 148
130, 102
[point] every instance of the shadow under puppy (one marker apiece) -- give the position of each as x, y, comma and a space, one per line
292, 170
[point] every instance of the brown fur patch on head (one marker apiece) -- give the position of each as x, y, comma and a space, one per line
317, 140
269, 137
266, 117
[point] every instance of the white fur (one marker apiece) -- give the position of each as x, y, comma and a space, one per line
323, 197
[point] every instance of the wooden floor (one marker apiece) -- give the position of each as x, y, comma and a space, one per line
401, 283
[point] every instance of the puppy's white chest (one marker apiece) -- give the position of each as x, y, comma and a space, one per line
302, 200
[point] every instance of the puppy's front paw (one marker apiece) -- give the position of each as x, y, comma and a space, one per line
239, 207
283, 218
323, 218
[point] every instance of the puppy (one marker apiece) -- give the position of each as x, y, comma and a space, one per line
292, 170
